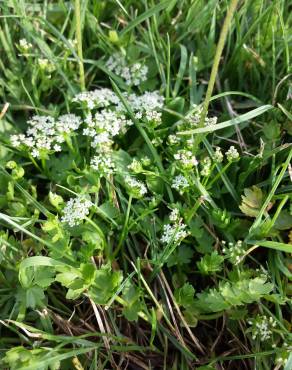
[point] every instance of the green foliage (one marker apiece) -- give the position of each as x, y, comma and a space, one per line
232, 294
252, 201
20, 357
131, 295
210, 263
133, 232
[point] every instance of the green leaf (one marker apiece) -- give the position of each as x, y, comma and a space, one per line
182, 255
88, 271
284, 221
34, 297
67, 278
272, 130
211, 301
273, 245
142, 17
182, 68
252, 201
131, 295
210, 263
232, 294
104, 285
44, 276
184, 296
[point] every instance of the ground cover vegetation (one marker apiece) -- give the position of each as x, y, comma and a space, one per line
145, 214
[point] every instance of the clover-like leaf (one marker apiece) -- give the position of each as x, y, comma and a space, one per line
252, 201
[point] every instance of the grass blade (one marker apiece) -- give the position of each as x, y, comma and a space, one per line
232, 122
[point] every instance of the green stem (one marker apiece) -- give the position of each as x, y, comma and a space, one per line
35, 163
258, 220
219, 174
123, 234
219, 49
44, 165
100, 233
79, 43
277, 213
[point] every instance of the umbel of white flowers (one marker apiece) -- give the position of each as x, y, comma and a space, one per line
76, 210
45, 134
132, 74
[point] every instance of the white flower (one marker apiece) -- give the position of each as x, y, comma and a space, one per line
180, 183
103, 163
137, 188
102, 141
173, 139
25, 45
173, 233
135, 166
35, 153
262, 327
103, 126
76, 210
153, 116
232, 154
174, 215
234, 252
186, 158
193, 118
111, 122
133, 75
89, 132
67, 123
147, 102
57, 148
157, 141
99, 98
218, 155
44, 133
46, 65
206, 166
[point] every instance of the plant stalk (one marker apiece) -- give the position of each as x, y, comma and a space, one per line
79, 44
219, 49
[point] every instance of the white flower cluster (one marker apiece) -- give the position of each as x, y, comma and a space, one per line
232, 154
173, 139
180, 183
147, 102
99, 98
262, 327
132, 74
186, 159
25, 45
175, 232
235, 252
206, 166
104, 125
146, 106
218, 155
46, 65
135, 166
137, 188
45, 134
174, 215
76, 210
192, 119
103, 164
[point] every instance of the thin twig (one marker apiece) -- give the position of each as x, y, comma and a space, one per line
194, 339
4, 110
